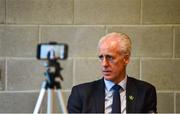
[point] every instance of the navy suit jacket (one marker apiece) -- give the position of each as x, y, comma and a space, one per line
90, 97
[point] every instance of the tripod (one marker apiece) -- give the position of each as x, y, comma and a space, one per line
51, 84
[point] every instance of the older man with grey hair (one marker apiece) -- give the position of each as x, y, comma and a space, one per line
116, 92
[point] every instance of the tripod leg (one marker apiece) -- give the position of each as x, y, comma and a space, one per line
50, 101
61, 101
40, 98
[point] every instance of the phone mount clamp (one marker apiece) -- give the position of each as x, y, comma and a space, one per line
52, 85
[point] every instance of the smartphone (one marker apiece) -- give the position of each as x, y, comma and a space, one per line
59, 50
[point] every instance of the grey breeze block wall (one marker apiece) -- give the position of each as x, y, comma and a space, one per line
153, 25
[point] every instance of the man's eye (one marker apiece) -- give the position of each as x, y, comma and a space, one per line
106, 57
101, 57
109, 57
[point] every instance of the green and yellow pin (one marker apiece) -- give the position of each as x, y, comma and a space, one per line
131, 97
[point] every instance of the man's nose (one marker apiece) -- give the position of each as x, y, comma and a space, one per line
105, 62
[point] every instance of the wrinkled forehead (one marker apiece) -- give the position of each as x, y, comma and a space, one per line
109, 42
109, 46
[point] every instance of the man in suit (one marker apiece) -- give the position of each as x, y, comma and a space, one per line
133, 96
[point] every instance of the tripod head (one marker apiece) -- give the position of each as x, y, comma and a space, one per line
53, 72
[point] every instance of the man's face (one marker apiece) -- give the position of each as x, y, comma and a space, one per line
113, 62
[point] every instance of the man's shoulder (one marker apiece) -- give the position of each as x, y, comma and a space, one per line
88, 85
140, 83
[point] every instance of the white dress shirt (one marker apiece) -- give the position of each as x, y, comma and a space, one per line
109, 95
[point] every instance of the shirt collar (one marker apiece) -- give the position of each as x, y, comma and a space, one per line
109, 84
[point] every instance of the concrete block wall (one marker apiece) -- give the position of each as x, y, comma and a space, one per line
153, 25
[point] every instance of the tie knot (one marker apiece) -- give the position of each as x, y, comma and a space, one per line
116, 87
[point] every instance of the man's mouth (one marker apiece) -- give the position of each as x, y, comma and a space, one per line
106, 72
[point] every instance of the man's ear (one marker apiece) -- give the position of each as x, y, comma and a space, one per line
126, 59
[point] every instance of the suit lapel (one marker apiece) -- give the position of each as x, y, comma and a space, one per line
99, 96
131, 94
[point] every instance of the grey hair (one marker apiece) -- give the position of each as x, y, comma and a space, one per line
124, 42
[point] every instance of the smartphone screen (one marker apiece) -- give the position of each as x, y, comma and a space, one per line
59, 51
